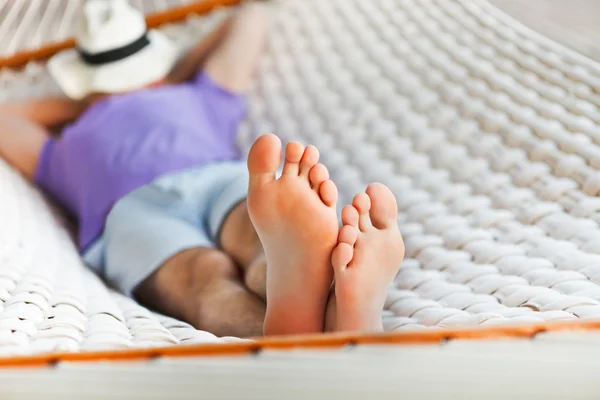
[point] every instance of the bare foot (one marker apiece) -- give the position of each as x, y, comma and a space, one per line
296, 222
366, 259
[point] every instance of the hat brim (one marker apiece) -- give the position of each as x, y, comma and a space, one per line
78, 79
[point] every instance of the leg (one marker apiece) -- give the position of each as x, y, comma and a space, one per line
240, 241
233, 62
238, 237
296, 222
157, 250
256, 277
366, 260
203, 287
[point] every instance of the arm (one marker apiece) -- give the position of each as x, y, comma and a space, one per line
24, 128
234, 57
187, 65
48, 112
21, 142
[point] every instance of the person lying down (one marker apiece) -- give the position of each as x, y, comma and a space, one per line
169, 213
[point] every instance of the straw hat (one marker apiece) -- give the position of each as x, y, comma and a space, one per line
115, 52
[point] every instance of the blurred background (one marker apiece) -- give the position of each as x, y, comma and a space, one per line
29, 23
574, 23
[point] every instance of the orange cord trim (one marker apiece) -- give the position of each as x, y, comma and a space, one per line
317, 341
154, 20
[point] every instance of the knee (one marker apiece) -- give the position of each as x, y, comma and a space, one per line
209, 266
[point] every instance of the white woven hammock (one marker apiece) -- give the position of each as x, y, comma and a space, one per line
487, 133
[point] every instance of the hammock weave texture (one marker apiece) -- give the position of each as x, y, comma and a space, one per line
486, 133
27, 25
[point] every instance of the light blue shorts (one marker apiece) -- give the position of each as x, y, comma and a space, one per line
172, 213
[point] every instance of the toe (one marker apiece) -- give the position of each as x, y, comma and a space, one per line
264, 159
317, 175
309, 159
350, 216
328, 192
384, 208
362, 203
348, 234
293, 154
341, 256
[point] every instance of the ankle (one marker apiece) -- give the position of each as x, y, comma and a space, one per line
357, 317
359, 324
359, 321
287, 321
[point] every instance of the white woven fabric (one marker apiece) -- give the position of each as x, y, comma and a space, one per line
486, 132
29, 24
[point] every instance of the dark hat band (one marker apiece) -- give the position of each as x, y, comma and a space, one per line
113, 55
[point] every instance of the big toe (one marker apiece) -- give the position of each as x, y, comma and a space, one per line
264, 159
384, 208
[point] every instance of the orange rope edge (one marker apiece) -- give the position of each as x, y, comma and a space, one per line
154, 20
316, 341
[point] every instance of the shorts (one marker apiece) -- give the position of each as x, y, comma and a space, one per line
173, 213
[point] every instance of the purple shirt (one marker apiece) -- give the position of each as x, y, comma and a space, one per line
125, 141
